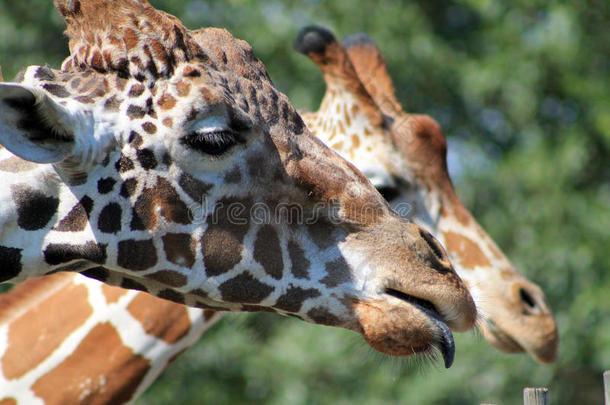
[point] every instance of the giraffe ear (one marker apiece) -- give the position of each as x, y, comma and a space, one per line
33, 126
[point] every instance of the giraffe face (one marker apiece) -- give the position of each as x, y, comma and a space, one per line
514, 312
404, 156
191, 177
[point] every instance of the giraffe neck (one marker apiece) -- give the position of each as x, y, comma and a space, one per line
105, 344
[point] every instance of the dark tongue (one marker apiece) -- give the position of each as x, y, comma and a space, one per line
447, 345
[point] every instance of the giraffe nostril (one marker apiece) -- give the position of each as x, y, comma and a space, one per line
440, 261
527, 299
433, 243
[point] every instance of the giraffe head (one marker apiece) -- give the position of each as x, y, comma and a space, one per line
405, 157
164, 160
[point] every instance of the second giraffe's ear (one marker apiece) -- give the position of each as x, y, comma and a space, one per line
33, 126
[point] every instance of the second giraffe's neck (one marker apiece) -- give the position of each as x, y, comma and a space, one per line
128, 338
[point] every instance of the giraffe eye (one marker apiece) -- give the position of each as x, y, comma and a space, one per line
213, 143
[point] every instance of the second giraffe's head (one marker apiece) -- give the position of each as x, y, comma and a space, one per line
404, 155
163, 159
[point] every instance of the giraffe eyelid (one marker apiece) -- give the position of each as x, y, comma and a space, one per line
220, 116
212, 130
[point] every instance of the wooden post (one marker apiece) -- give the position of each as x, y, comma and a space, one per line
536, 396
607, 387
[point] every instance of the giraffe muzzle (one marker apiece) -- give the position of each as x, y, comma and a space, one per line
445, 342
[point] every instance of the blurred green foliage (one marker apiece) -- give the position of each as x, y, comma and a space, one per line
522, 90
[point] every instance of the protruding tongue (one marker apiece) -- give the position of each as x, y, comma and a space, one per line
447, 345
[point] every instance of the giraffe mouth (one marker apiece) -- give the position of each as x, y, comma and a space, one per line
445, 342
505, 342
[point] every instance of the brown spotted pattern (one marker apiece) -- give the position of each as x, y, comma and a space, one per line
78, 218
162, 319
161, 200
179, 249
222, 242
294, 298
467, 251
244, 288
112, 294
268, 252
31, 338
299, 262
104, 365
335, 273
137, 254
100, 381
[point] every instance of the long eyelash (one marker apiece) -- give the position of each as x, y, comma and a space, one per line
216, 138
211, 143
